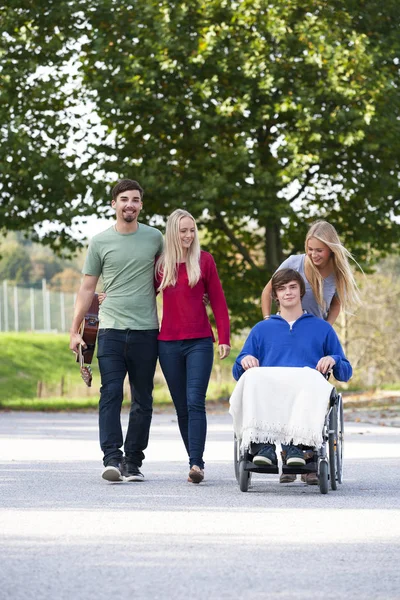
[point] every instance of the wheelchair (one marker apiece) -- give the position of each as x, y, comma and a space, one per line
326, 461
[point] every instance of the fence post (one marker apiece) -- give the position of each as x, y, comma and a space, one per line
44, 304
32, 305
62, 311
22, 313
46, 307
16, 315
5, 301
48, 310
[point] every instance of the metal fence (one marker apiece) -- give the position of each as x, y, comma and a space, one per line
33, 309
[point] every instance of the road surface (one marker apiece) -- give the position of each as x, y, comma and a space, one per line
67, 534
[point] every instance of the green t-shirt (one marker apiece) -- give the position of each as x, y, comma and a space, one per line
126, 264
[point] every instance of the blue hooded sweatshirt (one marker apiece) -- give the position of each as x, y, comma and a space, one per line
277, 344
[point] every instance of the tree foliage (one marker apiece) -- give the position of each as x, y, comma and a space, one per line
67, 280
40, 178
256, 116
370, 338
15, 264
26, 264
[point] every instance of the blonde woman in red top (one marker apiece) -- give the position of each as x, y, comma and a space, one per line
184, 273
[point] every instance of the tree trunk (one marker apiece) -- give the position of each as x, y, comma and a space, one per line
273, 247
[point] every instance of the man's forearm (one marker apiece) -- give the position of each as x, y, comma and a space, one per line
82, 305
237, 370
342, 370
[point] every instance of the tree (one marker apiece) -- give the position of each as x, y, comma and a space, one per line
257, 116
45, 267
67, 280
40, 122
370, 337
27, 263
15, 264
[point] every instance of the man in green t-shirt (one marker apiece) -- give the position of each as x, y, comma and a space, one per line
124, 256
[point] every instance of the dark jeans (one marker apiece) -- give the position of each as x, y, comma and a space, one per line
187, 365
122, 351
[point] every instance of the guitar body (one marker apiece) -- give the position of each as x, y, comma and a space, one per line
88, 331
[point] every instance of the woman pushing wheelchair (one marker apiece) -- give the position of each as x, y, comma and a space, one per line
329, 285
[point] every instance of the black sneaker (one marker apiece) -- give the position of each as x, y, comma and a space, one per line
295, 457
113, 470
266, 456
131, 471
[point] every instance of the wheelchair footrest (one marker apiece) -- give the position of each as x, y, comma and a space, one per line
310, 467
250, 466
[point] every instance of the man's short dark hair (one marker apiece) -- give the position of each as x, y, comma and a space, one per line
124, 185
283, 277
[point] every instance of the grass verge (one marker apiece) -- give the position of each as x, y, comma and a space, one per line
38, 373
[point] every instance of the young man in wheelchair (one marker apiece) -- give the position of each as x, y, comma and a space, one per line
291, 338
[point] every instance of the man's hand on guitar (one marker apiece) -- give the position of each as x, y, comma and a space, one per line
83, 332
75, 340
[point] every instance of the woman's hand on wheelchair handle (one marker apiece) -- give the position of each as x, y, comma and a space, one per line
249, 361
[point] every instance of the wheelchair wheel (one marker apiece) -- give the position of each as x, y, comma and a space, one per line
333, 447
236, 456
323, 477
340, 440
244, 477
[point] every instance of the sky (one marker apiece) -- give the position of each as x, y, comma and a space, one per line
93, 226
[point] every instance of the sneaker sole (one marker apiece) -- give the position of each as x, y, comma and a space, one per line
112, 474
195, 477
192, 480
132, 478
262, 460
296, 462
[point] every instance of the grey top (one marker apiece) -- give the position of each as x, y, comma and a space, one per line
309, 303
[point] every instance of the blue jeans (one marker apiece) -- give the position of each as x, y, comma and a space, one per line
187, 365
122, 351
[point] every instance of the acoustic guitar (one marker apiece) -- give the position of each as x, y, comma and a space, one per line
88, 330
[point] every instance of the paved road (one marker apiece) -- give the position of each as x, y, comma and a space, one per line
67, 534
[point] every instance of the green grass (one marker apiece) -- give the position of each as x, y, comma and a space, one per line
48, 404
391, 387
59, 404
29, 358
39, 372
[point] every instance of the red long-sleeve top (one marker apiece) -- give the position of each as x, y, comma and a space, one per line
184, 314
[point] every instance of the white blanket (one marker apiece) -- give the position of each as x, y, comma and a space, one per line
280, 404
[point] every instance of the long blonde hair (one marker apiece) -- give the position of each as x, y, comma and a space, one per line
172, 255
346, 286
